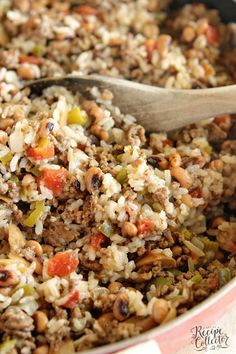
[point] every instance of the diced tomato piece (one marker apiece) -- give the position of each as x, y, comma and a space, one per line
97, 240
145, 226
87, 10
196, 193
41, 152
223, 122
167, 142
208, 69
194, 257
150, 45
54, 180
72, 301
62, 264
214, 283
212, 35
31, 60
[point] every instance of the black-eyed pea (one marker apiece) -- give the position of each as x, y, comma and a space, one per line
48, 249
6, 123
27, 180
150, 30
143, 323
95, 129
163, 44
160, 310
175, 159
121, 307
38, 266
188, 200
26, 72
104, 135
93, 179
217, 165
96, 111
35, 246
163, 164
43, 349
129, 229
158, 161
217, 222
40, 321
7, 277
188, 34
107, 95
45, 127
177, 251
114, 287
182, 176
105, 320
99, 132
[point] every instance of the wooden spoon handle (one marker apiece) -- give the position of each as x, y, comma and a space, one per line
157, 109
177, 108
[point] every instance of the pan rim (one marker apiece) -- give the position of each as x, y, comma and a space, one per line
161, 330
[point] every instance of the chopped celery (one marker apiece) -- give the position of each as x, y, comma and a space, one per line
43, 142
157, 207
175, 135
217, 264
7, 346
208, 149
147, 197
210, 245
24, 192
122, 176
186, 233
159, 281
75, 116
31, 220
224, 275
175, 272
119, 157
28, 290
37, 50
15, 179
195, 250
106, 228
35, 171
191, 264
6, 159
196, 278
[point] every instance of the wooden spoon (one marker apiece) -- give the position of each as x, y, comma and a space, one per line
157, 109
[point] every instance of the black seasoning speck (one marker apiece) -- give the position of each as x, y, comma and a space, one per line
124, 309
4, 275
96, 182
77, 185
153, 161
50, 126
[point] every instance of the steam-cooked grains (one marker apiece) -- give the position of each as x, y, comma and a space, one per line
107, 231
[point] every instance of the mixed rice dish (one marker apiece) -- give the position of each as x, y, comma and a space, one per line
107, 231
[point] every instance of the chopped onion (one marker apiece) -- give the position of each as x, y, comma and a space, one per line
194, 249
